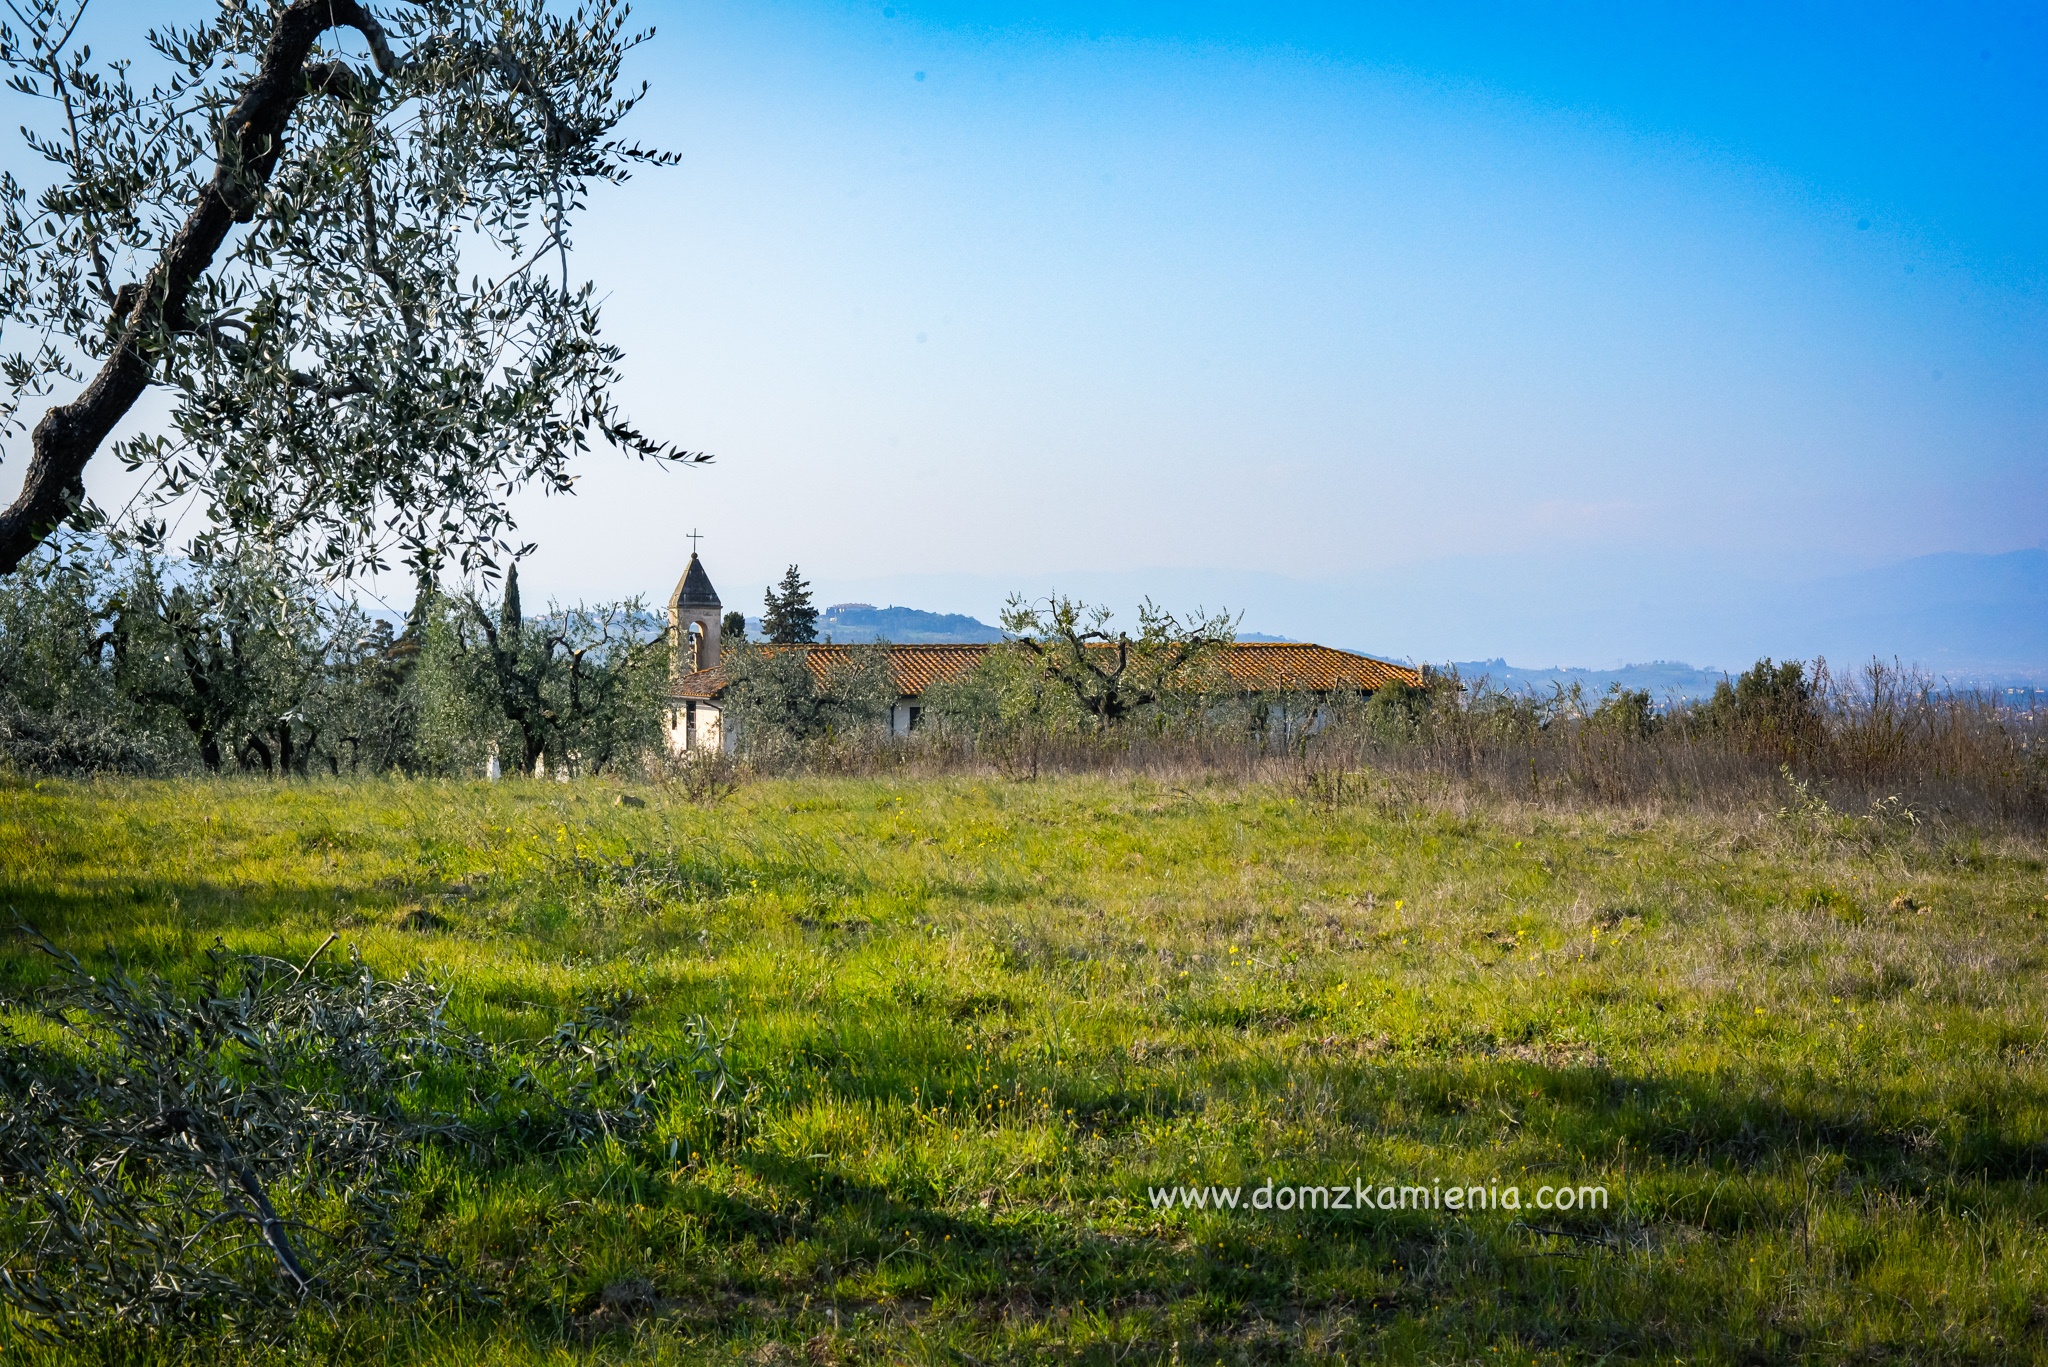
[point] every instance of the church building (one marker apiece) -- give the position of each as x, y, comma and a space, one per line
1285, 672
694, 618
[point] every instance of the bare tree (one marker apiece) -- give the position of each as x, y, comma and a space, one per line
350, 274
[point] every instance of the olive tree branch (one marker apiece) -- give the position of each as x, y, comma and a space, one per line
70, 434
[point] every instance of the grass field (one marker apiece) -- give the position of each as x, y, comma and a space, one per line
975, 1021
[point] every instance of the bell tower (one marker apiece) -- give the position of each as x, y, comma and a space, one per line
694, 616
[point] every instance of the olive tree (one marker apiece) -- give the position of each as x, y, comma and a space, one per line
779, 696
371, 706
62, 708
236, 649
334, 237
1110, 674
577, 686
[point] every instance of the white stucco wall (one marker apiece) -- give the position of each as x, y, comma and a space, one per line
709, 730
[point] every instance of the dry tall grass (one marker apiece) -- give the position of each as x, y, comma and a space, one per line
1884, 744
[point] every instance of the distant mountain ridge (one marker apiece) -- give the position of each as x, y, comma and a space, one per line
862, 623
1665, 680
1968, 618
1969, 621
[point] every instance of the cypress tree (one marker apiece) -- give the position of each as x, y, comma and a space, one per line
424, 591
510, 619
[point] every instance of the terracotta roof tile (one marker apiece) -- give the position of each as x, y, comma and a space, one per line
1287, 667
1255, 666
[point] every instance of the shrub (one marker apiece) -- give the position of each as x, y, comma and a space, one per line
1626, 712
1770, 709
1398, 712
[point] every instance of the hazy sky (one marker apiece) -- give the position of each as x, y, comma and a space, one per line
1530, 298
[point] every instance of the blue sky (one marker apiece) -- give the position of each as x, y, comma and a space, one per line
1420, 321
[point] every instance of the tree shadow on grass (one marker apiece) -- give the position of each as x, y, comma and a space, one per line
1693, 1164
117, 912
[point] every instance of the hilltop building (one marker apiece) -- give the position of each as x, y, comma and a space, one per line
1274, 669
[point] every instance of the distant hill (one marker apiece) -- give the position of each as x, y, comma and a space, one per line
1956, 616
860, 623
1669, 681
1666, 680
1969, 619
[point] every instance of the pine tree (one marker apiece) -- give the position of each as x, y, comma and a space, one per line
790, 617
733, 631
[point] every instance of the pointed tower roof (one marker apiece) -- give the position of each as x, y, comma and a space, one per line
694, 589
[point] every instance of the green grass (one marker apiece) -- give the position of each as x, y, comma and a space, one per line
977, 1019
